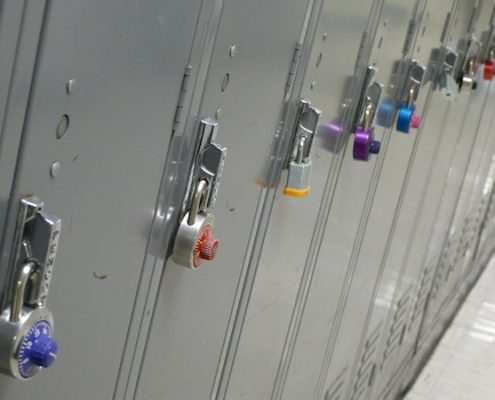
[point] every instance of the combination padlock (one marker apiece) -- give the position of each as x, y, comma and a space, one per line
467, 81
407, 117
488, 70
466, 78
26, 325
365, 144
488, 53
364, 141
299, 166
194, 241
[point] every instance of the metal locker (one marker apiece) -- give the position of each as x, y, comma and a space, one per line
245, 90
428, 49
402, 74
20, 26
364, 315
353, 190
485, 246
93, 142
473, 197
443, 246
285, 259
403, 262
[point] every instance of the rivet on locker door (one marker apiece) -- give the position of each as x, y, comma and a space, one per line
299, 163
364, 140
407, 117
195, 241
26, 325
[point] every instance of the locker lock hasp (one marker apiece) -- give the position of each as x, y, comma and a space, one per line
26, 325
299, 163
446, 81
407, 117
364, 141
194, 241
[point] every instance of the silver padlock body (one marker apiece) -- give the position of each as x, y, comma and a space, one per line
187, 237
299, 175
12, 335
467, 83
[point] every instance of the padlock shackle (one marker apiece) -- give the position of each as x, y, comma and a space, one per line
411, 95
20, 290
198, 201
300, 150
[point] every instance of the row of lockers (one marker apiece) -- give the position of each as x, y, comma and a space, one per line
277, 199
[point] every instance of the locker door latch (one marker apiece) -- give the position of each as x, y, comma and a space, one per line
446, 82
299, 163
194, 241
466, 78
364, 141
489, 54
407, 117
26, 324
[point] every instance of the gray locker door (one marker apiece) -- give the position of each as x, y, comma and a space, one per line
195, 310
485, 246
444, 243
471, 205
404, 266
128, 61
354, 189
483, 187
20, 26
364, 315
435, 18
392, 52
285, 263
475, 195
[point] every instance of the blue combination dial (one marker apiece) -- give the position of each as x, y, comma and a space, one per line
37, 349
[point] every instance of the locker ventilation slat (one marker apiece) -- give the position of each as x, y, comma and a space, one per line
366, 364
397, 327
422, 294
336, 390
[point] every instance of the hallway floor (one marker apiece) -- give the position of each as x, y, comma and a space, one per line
463, 365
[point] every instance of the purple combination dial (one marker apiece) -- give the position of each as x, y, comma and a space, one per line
364, 144
37, 350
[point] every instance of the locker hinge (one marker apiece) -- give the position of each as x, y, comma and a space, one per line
182, 96
411, 31
472, 20
293, 67
360, 56
446, 27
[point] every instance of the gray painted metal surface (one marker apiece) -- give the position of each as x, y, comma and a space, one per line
340, 294
111, 164
195, 310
